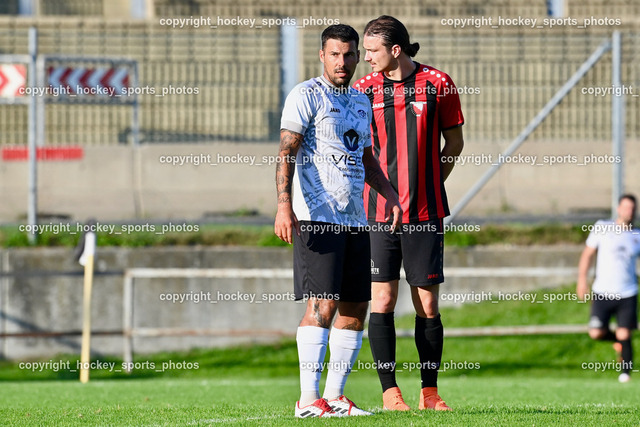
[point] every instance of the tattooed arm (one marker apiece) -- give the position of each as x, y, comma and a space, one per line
286, 220
374, 176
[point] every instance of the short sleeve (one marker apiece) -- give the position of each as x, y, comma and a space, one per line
637, 242
593, 241
449, 109
297, 112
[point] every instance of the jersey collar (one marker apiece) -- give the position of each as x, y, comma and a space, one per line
415, 71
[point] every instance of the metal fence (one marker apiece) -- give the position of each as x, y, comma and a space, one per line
194, 86
57, 7
223, 83
400, 8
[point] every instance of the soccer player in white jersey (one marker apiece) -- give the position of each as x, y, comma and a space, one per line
615, 289
325, 152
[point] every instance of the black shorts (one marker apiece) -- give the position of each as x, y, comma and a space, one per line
418, 246
625, 310
331, 262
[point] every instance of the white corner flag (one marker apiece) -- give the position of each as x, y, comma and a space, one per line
86, 259
89, 248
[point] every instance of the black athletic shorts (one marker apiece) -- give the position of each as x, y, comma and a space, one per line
418, 246
625, 310
331, 262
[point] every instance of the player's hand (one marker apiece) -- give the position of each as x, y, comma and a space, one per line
393, 209
286, 222
582, 289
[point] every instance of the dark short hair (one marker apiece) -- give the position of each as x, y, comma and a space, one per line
342, 32
392, 32
629, 197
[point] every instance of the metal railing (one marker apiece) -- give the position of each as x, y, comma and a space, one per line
223, 84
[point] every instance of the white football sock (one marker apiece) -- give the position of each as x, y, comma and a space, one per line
312, 347
344, 346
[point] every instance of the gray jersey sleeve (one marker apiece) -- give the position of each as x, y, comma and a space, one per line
298, 109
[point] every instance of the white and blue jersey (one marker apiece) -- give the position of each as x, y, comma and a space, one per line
618, 247
328, 182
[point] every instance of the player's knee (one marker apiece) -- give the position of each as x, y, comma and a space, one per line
357, 310
327, 308
623, 334
360, 310
597, 334
426, 307
427, 312
384, 301
431, 310
320, 312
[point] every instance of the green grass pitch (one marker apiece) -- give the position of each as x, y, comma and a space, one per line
504, 381
496, 400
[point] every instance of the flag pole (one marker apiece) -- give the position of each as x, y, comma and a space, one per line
87, 259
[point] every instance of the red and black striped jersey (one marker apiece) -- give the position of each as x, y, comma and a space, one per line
408, 119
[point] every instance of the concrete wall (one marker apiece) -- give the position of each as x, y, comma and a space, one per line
113, 183
31, 300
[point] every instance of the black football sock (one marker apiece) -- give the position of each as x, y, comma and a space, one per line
429, 336
627, 356
609, 336
382, 338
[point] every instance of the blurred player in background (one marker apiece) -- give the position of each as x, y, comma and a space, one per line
413, 104
325, 147
615, 289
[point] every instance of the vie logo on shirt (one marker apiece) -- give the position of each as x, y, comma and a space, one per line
350, 140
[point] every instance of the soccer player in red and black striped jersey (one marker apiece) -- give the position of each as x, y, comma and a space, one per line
413, 105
